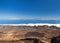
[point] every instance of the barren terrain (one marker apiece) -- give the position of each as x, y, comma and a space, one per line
43, 33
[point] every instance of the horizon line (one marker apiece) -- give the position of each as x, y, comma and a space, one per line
31, 24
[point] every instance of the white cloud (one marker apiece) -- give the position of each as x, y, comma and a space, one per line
23, 17
19, 18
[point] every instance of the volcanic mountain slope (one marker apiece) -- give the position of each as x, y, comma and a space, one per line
43, 33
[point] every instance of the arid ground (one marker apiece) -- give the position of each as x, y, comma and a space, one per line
17, 34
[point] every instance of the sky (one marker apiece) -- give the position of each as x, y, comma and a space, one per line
30, 9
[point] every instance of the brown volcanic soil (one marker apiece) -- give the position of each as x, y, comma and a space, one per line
43, 33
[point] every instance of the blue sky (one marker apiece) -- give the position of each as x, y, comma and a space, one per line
30, 9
